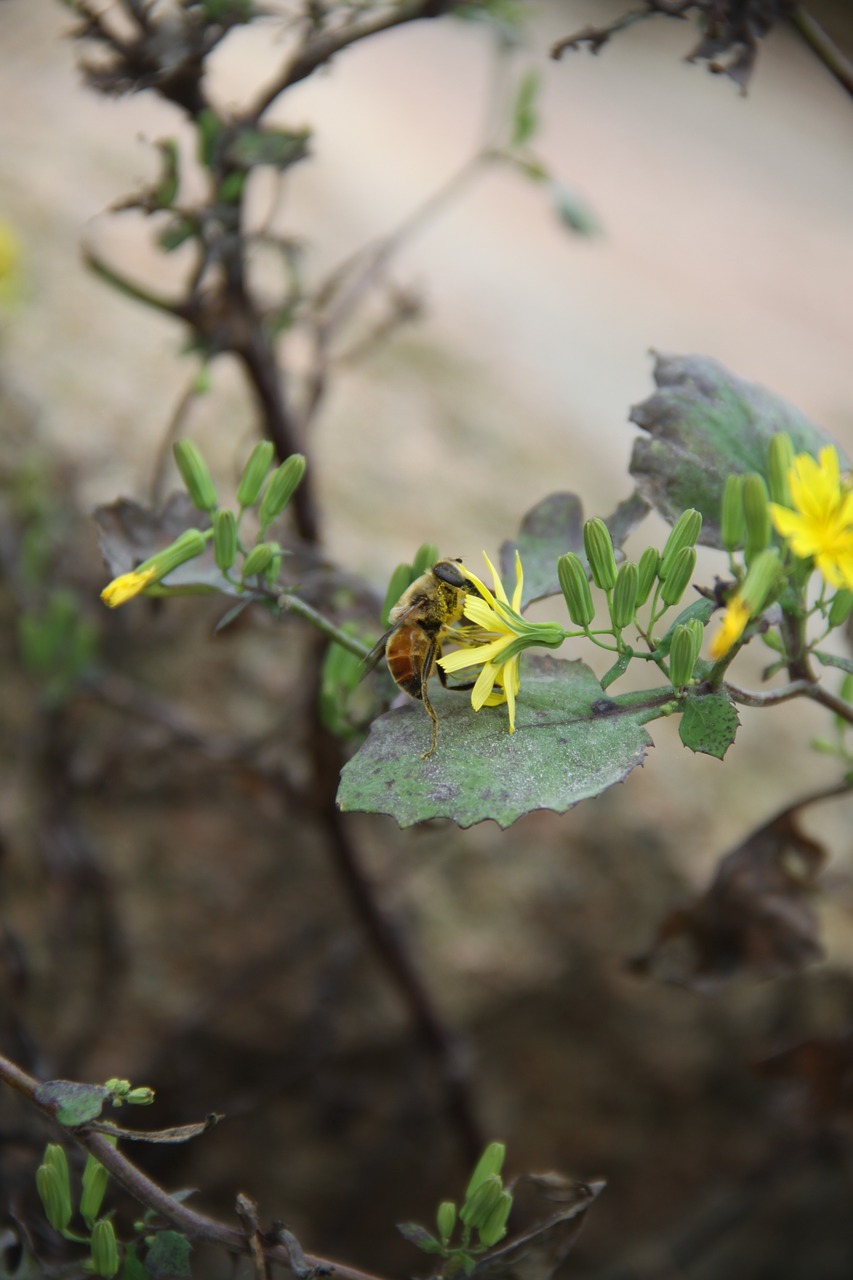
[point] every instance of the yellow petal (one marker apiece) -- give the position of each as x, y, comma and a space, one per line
484, 616
126, 586
476, 656
498, 586
484, 685
519, 583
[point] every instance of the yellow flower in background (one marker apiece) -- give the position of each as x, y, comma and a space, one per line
821, 525
497, 639
10, 259
128, 585
731, 628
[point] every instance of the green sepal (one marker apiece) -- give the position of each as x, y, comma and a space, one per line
445, 1220
255, 473
756, 513
780, 459
224, 539
648, 572
494, 1227
598, 546
623, 604
679, 575
682, 536
575, 587
490, 1163
258, 559
283, 483
195, 475
732, 521
840, 608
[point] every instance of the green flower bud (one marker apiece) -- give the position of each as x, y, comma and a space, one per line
648, 572
445, 1219
118, 1088
761, 578
224, 539
841, 607
255, 473
425, 557
480, 1202
732, 522
756, 513
683, 535
258, 559
273, 569
104, 1248
141, 1097
494, 1228
281, 488
683, 653
623, 604
190, 544
490, 1163
780, 459
679, 575
195, 475
598, 545
95, 1179
53, 1183
575, 587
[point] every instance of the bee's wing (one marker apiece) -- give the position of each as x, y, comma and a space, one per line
377, 653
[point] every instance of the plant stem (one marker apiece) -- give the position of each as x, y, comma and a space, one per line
813, 34
343, 638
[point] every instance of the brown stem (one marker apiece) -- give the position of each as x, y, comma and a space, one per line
196, 1226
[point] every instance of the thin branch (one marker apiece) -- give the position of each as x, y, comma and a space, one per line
772, 698
824, 47
597, 37
196, 1226
320, 49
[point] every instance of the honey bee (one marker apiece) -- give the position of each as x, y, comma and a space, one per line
421, 619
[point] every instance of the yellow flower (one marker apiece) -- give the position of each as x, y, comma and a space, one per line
821, 524
128, 585
731, 629
497, 639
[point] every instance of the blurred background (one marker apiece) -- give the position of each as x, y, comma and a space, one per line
168, 913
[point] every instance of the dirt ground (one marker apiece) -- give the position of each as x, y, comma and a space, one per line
171, 915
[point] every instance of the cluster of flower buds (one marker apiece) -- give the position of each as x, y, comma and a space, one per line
53, 1183
485, 1210
629, 586
261, 561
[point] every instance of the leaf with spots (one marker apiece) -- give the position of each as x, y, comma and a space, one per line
709, 723
571, 742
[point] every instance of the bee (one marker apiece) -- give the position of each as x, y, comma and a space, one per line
421, 619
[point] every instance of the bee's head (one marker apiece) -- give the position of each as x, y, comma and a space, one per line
449, 571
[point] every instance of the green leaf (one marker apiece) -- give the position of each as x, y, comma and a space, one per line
573, 211
709, 723
701, 609
571, 742
553, 527
833, 660
169, 1256
704, 424
133, 1268
277, 147
72, 1103
525, 116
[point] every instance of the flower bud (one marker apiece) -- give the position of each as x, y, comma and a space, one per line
195, 475
490, 1162
494, 1227
95, 1179
648, 571
683, 535
224, 539
258, 559
599, 552
732, 523
761, 578
841, 607
255, 473
623, 604
683, 653
679, 575
756, 514
281, 488
53, 1183
480, 1202
104, 1248
780, 459
273, 569
445, 1219
575, 587
190, 544
117, 1087
142, 1096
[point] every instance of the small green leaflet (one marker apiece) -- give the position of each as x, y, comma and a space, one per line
709, 723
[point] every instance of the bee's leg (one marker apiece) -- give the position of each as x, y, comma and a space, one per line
433, 653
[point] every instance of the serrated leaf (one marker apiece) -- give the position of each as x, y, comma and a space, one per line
72, 1103
419, 1237
704, 423
709, 723
169, 1256
571, 743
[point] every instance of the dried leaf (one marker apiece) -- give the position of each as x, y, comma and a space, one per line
180, 1133
756, 918
536, 1253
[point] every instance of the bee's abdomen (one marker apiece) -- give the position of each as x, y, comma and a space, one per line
409, 650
